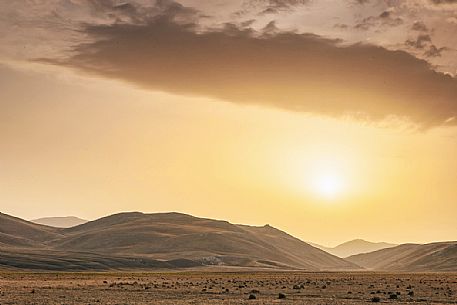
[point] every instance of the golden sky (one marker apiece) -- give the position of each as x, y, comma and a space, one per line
329, 132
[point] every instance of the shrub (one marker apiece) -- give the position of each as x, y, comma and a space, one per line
375, 299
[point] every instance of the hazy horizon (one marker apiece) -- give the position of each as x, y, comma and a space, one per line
332, 243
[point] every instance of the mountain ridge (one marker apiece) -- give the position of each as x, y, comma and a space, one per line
437, 256
140, 241
17, 232
60, 222
122, 240
354, 247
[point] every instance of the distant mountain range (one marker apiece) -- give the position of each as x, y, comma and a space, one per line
137, 241
60, 222
148, 241
354, 247
440, 256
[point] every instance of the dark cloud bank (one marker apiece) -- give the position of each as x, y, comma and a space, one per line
291, 71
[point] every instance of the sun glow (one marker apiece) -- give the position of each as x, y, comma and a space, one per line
330, 177
327, 184
326, 172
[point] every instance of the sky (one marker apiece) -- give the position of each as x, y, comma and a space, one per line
331, 120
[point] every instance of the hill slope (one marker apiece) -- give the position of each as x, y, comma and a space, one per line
60, 222
411, 257
15, 232
354, 247
174, 235
144, 241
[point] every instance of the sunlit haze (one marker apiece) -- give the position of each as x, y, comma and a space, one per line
329, 130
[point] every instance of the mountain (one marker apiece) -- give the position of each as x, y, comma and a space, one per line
354, 247
60, 222
165, 240
18, 233
441, 256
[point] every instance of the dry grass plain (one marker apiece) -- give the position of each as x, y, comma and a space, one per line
226, 288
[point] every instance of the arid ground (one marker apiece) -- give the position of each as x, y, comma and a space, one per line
227, 288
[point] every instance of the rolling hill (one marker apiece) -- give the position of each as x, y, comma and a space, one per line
18, 233
60, 222
354, 247
441, 256
165, 240
137, 241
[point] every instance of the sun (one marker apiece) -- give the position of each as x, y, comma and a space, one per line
328, 184
324, 177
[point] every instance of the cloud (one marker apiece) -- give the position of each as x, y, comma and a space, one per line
297, 72
134, 12
424, 42
281, 59
386, 18
419, 26
444, 1
445, 5
269, 7
39, 28
433, 51
276, 4
420, 42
